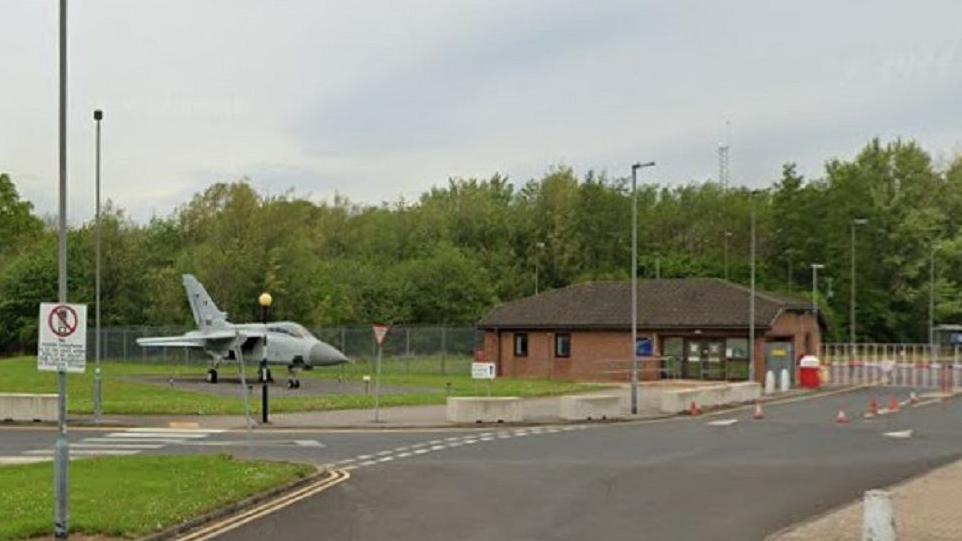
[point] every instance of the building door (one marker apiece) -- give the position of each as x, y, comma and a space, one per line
704, 359
778, 356
693, 359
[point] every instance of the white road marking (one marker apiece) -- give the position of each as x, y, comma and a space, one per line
86, 452
138, 440
435, 442
85, 445
405, 448
469, 442
899, 434
568, 428
456, 438
368, 463
403, 455
422, 451
365, 457
722, 422
308, 443
12, 460
455, 444
179, 430
385, 459
382, 453
170, 435
437, 447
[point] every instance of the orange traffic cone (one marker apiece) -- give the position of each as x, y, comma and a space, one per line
758, 414
841, 417
893, 404
694, 409
873, 406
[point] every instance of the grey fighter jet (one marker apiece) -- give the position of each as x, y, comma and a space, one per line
278, 343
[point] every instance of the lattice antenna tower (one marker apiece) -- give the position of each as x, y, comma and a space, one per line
723, 149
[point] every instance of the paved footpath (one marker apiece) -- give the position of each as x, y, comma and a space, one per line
927, 508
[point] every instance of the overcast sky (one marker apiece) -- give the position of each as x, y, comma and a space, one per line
379, 100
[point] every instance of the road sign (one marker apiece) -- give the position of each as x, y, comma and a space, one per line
482, 370
62, 344
380, 331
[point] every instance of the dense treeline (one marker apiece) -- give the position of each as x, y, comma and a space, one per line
461, 248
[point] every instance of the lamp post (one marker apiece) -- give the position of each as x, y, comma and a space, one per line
932, 346
537, 261
264, 300
728, 235
634, 282
98, 116
855, 222
815, 267
751, 304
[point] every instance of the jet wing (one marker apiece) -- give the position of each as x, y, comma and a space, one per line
193, 339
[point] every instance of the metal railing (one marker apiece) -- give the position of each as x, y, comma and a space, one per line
897, 365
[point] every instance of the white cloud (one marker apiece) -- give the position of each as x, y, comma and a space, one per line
383, 99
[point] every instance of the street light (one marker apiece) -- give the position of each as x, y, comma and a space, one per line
98, 116
537, 261
855, 222
634, 282
932, 346
751, 305
62, 450
728, 235
815, 267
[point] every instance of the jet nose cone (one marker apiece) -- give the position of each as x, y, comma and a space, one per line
322, 353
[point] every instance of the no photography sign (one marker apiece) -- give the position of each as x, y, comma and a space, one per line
62, 344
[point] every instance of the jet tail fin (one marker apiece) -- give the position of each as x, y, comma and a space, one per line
206, 314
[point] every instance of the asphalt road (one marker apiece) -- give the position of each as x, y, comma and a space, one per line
678, 479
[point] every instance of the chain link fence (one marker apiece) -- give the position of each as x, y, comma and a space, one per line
411, 349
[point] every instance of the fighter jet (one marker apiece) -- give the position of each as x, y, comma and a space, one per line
278, 343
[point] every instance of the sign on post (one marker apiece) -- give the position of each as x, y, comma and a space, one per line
482, 370
62, 344
380, 332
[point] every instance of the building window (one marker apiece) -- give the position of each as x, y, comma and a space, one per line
562, 345
520, 344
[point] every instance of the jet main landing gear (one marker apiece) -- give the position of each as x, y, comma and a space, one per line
292, 381
211, 375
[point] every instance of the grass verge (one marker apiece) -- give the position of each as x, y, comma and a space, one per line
133, 496
122, 396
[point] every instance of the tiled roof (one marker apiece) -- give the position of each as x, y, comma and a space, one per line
664, 303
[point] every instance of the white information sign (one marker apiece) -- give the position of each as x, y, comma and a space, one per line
482, 370
62, 344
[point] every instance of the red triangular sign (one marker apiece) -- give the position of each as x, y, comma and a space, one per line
380, 331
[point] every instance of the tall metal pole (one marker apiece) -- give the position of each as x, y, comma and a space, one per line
815, 267
634, 283
377, 386
855, 221
728, 235
98, 116
751, 306
61, 516
932, 345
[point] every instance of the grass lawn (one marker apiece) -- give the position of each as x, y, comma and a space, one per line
132, 496
126, 397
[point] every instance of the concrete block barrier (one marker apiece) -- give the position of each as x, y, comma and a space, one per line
590, 407
28, 407
472, 409
676, 401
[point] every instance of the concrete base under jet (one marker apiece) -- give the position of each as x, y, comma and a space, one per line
277, 343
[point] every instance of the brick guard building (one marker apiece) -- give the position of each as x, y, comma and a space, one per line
693, 328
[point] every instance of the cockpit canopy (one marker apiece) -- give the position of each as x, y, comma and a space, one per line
289, 328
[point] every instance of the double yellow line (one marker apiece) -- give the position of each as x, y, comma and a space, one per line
235, 521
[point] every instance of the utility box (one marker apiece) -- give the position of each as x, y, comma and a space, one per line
808, 372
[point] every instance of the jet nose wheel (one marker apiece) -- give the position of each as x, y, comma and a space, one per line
211, 376
293, 384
